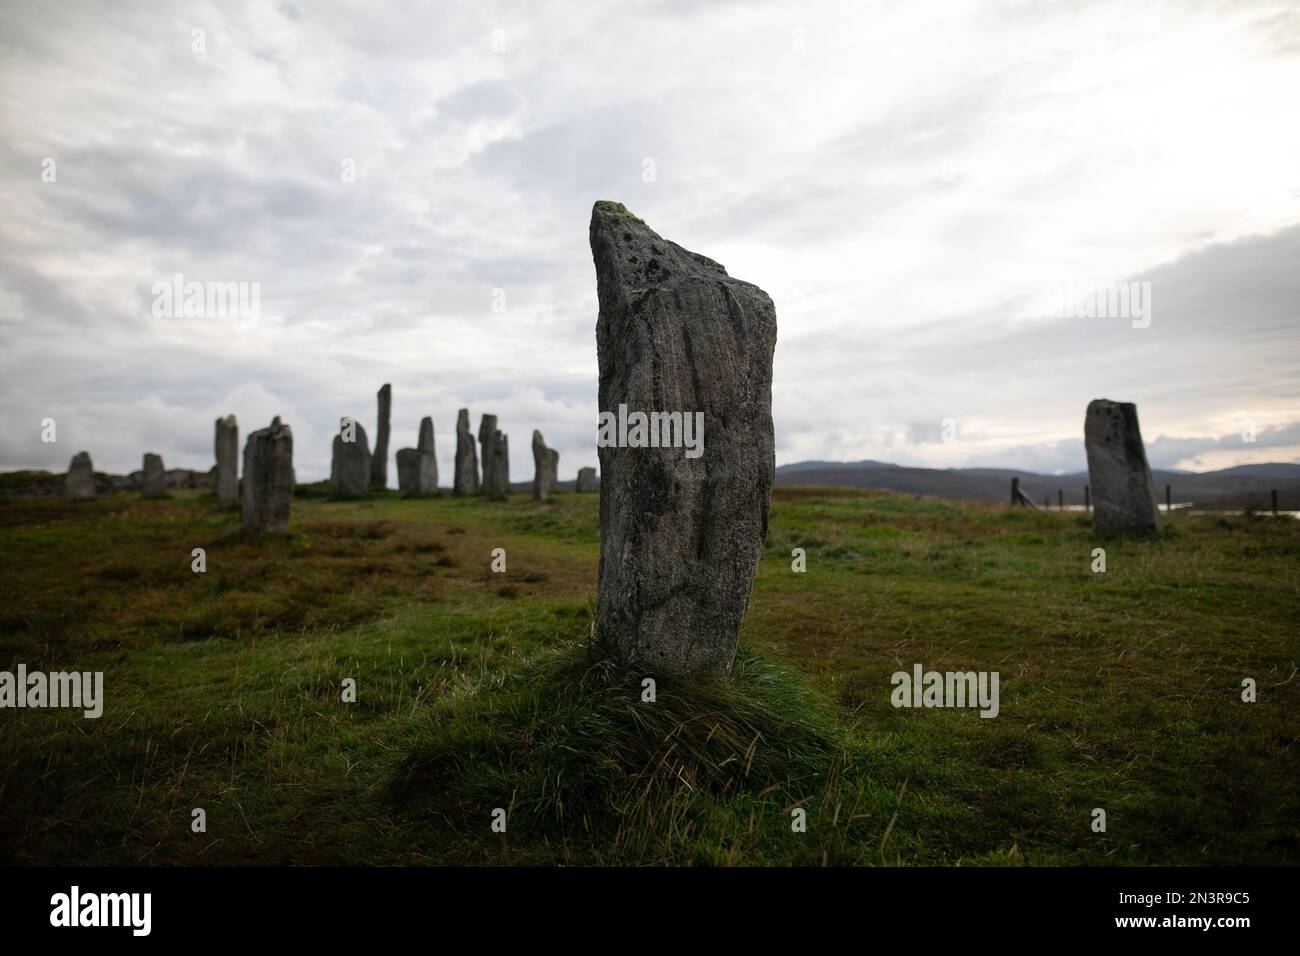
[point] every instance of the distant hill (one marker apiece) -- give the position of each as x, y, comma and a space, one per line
1245, 486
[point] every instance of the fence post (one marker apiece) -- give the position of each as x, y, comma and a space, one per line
1169, 503
1015, 491
1274, 501
1087, 498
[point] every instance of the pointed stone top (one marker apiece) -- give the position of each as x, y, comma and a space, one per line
606, 207
626, 249
275, 422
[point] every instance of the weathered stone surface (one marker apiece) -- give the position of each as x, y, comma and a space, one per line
428, 474
154, 481
465, 480
586, 480
268, 479
498, 486
546, 463
351, 467
379, 461
80, 482
680, 538
1123, 493
413, 478
226, 474
487, 432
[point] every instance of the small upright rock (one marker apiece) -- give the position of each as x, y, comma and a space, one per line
465, 480
379, 461
351, 468
79, 485
154, 482
546, 463
412, 472
586, 480
680, 536
268, 479
226, 478
1123, 494
428, 483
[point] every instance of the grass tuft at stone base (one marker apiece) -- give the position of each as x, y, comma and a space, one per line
568, 743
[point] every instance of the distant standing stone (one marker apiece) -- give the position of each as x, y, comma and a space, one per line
1123, 494
414, 478
351, 460
680, 538
546, 463
465, 479
154, 482
586, 480
80, 482
487, 432
499, 485
428, 481
268, 479
227, 451
379, 462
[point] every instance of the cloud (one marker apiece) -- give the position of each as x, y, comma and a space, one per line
912, 184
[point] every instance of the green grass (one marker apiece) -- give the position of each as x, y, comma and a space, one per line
476, 691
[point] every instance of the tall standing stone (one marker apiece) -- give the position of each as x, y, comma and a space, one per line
465, 480
268, 479
227, 451
487, 432
586, 480
428, 481
680, 537
79, 485
379, 462
351, 468
154, 481
546, 463
1123, 493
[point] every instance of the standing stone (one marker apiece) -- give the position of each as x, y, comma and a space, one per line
546, 463
680, 537
79, 485
428, 480
465, 480
268, 479
227, 449
352, 462
487, 432
412, 471
586, 480
498, 486
379, 463
154, 482
1123, 494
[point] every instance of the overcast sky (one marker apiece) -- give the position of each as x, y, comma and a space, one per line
924, 189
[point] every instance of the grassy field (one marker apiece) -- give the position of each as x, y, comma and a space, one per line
1119, 690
